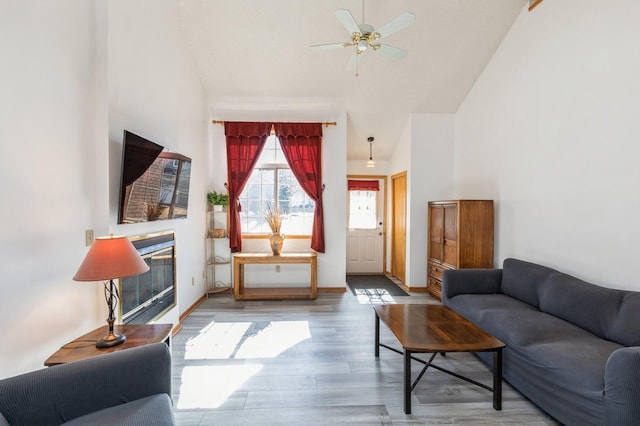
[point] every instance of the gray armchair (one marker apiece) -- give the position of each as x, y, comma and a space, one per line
127, 387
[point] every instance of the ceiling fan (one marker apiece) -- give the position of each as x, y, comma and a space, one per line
365, 36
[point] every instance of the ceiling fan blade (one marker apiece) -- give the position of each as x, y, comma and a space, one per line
394, 52
347, 19
326, 46
353, 62
401, 22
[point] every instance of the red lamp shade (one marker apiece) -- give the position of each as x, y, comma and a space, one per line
110, 257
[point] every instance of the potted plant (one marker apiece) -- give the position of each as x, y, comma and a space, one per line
274, 220
219, 199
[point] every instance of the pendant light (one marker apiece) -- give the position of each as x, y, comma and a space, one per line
370, 163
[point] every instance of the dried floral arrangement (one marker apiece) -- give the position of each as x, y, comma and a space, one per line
273, 218
153, 210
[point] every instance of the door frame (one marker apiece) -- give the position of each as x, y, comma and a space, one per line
385, 215
393, 216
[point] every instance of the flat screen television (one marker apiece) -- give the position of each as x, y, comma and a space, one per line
155, 182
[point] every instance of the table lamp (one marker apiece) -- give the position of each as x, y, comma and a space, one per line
110, 258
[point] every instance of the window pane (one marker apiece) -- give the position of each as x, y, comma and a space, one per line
272, 183
362, 209
252, 200
295, 204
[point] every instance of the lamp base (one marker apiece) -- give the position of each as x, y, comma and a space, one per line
111, 340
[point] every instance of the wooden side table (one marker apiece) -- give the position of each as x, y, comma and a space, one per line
85, 345
240, 292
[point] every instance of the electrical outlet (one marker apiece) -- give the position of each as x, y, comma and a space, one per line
193, 280
88, 237
277, 268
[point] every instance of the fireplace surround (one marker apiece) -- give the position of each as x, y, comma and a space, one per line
147, 296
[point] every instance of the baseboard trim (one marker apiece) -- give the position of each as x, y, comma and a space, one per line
332, 289
186, 313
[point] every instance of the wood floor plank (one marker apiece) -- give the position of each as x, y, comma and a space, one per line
312, 362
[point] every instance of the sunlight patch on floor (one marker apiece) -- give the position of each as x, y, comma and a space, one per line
246, 340
209, 386
276, 338
218, 340
374, 296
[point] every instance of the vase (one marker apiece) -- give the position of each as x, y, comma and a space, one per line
275, 241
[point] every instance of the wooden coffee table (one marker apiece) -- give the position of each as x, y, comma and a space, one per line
436, 329
85, 345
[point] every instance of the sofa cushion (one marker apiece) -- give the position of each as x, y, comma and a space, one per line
154, 410
577, 360
482, 309
581, 303
521, 279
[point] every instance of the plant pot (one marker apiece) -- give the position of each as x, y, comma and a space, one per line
276, 241
218, 208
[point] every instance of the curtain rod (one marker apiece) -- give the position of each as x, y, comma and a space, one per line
325, 124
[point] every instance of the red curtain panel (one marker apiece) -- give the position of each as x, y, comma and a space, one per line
245, 141
302, 147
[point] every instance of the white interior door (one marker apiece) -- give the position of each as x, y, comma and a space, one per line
365, 237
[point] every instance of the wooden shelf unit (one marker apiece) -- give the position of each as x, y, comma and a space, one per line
273, 293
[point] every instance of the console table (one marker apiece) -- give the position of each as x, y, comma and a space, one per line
273, 293
85, 345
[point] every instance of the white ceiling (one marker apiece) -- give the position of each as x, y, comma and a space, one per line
255, 62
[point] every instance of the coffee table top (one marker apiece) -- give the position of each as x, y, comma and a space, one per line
434, 328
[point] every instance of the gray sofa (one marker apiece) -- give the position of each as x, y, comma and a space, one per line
127, 387
572, 348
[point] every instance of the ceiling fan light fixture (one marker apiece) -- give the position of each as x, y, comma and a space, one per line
364, 36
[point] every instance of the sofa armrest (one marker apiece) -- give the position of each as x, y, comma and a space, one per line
58, 394
474, 281
622, 387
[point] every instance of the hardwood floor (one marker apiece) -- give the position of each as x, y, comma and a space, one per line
312, 362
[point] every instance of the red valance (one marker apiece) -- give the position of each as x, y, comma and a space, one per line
363, 185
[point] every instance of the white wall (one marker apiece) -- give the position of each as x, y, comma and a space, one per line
155, 92
425, 151
550, 131
51, 169
359, 167
431, 178
74, 74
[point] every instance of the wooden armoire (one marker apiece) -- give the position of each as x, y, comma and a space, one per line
460, 235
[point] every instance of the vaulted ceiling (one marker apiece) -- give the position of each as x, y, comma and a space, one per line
255, 63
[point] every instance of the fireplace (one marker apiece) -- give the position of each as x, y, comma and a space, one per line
147, 296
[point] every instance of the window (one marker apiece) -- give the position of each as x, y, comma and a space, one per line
362, 209
273, 184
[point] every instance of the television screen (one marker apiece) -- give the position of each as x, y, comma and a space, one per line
155, 182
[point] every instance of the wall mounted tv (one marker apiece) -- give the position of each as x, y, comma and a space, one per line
155, 182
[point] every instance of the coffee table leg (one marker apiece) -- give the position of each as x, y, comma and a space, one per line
377, 337
497, 379
407, 382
